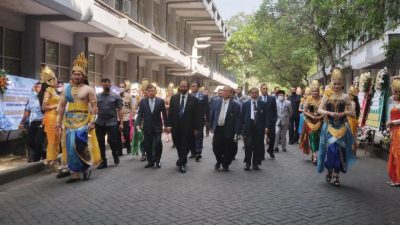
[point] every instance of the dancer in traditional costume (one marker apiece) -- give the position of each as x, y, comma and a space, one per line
394, 125
307, 92
336, 140
170, 92
49, 100
138, 137
77, 114
309, 140
353, 120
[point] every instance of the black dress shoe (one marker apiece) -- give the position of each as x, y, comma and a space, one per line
116, 160
102, 166
276, 150
192, 156
272, 155
217, 166
198, 157
72, 180
63, 174
158, 165
247, 167
284, 150
149, 165
182, 169
225, 168
255, 167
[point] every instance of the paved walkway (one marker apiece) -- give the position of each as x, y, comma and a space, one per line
287, 190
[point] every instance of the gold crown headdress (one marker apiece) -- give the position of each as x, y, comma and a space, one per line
80, 64
396, 85
315, 85
170, 86
46, 75
353, 91
143, 84
337, 74
307, 91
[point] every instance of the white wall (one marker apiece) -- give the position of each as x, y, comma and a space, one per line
97, 47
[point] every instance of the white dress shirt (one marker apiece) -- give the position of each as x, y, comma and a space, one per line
222, 114
253, 110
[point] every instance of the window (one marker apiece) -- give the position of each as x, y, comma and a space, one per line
10, 50
156, 18
156, 77
58, 57
120, 72
141, 11
95, 68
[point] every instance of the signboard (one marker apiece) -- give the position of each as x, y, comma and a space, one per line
376, 110
12, 103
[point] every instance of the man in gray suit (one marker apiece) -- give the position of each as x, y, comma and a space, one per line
284, 110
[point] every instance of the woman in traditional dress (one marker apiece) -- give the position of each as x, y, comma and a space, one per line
394, 125
49, 101
353, 120
170, 92
336, 140
138, 138
309, 141
307, 92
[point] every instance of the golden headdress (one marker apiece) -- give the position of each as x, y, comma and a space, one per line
170, 86
143, 84
46, 75
396, 85
315, 85
80, 64
337, 74
307, 91
353, 91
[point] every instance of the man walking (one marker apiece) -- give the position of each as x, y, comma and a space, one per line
204, 117
128, 112
284, 109
295, 100
255, 126
149, 119
270, 102
109, 105
225, 122
183, 122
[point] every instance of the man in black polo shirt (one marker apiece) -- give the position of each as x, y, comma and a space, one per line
109, 105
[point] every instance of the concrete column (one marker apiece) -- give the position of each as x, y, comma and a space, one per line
109, 63
78, 46
181, 34
172, 36
162, 73
133, 67
30, 65
148, 70
163, 17
148, 15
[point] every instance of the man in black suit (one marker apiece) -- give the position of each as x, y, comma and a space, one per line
255, 123
270, 102
204, 117
149, 119
295, 100
183, 122
225, 123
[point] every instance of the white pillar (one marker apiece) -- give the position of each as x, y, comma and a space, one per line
109, 63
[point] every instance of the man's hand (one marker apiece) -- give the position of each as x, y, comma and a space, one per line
196, 132
91, 126
21, 126
266, 131
121, 127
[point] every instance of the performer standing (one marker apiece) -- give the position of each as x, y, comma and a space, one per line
49, 101
128, 112
149, 119
353, 120
138, 138
309, 140
78, 102
335, 148
307, 92
225, 122
394, 125
270, 102
204, 116
255, 122
183, 121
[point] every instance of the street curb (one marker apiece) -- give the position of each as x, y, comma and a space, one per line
20, 172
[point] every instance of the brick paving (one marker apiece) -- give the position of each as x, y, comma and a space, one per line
287, 190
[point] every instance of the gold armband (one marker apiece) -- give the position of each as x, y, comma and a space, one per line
58, 119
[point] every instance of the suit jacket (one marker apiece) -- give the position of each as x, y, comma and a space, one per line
152, 122
262, 120
190, 120
295, 101
204, 108
232, 119
284, 111
271, 111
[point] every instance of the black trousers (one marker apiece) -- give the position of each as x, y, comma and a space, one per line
271, 138
197, 147
153, 147
113, 139
36, 149
126, 133
254, 147
223, 147
293, 126
183, 143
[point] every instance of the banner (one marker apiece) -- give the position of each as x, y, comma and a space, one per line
12, 103
376, 110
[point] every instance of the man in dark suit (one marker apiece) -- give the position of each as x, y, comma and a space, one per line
270, 102
149, 119
255, 123
295, 99
204, 117
183, 122
225, 122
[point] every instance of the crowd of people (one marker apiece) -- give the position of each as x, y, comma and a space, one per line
75, 121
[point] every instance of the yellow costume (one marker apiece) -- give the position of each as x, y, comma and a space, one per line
353, 120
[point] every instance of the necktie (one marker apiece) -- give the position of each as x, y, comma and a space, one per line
182, 107
152, 105
254, 111
221, 118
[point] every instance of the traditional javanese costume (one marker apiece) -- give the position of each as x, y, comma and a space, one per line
51, 98
307, 93
353, 120
309, 140
81, 145
138, 137
394, 156
336, 140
